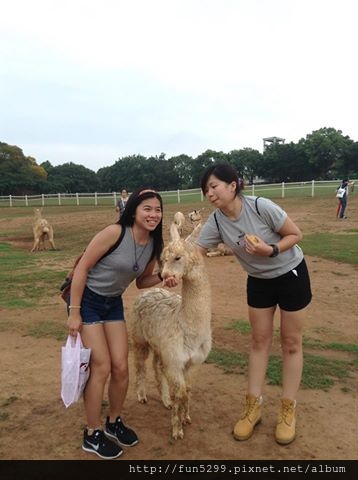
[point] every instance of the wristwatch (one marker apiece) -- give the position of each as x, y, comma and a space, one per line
275, 250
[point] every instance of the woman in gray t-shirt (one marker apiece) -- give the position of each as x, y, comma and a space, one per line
264, 240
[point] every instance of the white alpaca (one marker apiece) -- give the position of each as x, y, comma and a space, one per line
176, 328
195, 217
42, 230
219, 251
179, 221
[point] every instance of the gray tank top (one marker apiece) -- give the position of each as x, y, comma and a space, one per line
112, 275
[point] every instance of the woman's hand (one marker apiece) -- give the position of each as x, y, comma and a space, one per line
170, 282
255, 246
74, 323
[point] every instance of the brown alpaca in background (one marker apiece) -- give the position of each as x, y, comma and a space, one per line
42, 231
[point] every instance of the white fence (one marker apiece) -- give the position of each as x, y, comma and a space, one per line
274, 190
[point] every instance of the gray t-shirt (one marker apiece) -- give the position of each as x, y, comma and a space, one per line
265, 225
112, 275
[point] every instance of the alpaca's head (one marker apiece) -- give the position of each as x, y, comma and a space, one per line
179, 257
38, 213
195, 216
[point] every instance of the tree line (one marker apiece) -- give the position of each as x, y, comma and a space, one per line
324, 154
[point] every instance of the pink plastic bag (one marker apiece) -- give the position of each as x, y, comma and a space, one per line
74, 369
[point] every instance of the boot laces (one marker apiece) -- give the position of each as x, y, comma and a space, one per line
287, 412
250, 406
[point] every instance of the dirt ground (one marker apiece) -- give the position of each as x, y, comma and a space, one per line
37, 425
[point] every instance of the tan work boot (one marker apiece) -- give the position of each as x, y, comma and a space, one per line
251, 417
286, 422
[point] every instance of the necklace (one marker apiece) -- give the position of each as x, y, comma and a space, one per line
135, 267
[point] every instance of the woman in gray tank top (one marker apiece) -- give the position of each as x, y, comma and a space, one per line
95, 308
264, 240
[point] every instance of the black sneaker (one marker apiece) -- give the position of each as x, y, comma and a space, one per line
99, 444
118, 431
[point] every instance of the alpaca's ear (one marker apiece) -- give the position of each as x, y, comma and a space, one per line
194, 234
174, 234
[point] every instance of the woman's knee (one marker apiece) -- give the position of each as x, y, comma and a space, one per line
100, 370
292, 344
261, 342
120, 369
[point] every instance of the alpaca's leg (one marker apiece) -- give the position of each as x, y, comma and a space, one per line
188, 375
177, 388
162, 383
141, 352
35, 245
51, 240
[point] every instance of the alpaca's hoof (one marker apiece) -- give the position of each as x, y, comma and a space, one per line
142, 398
167, 403
178, 434
187, 420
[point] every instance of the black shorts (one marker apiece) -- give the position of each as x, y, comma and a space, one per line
291, 291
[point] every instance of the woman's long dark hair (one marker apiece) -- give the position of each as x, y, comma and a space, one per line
127, 217
224, 172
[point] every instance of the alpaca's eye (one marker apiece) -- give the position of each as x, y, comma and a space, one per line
177, 258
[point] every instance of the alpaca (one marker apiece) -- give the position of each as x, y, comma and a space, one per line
176, 328
219, 251
179, 221
42, 230
195, 217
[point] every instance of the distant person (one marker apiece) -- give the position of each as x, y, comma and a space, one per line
342, 194
122, 202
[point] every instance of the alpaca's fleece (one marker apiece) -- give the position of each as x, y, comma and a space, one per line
177, 328
179, 221
42, 230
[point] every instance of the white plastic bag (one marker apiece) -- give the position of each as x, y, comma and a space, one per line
75, 369
340, 192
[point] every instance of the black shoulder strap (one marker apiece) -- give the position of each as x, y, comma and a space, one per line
217, 225
115, 245
257, 208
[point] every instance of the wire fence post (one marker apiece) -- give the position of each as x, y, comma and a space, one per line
10, 200
114, 199
77, 199
283, 190
95, 199
43, 200
312, 189
59, 198
178, 194
26, 201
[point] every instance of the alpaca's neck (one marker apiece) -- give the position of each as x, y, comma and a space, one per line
196, 295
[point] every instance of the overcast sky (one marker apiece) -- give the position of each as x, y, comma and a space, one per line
91, 81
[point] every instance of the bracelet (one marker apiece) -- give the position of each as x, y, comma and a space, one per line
160, 277
73, 306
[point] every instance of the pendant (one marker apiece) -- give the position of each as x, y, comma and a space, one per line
135, 267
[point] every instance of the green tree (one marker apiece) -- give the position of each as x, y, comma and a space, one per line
19, 175
325, 149
182, 165
72, 178
285, 163
202, 161
246, 162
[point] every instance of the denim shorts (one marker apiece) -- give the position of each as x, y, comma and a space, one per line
291, 291
96, 308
